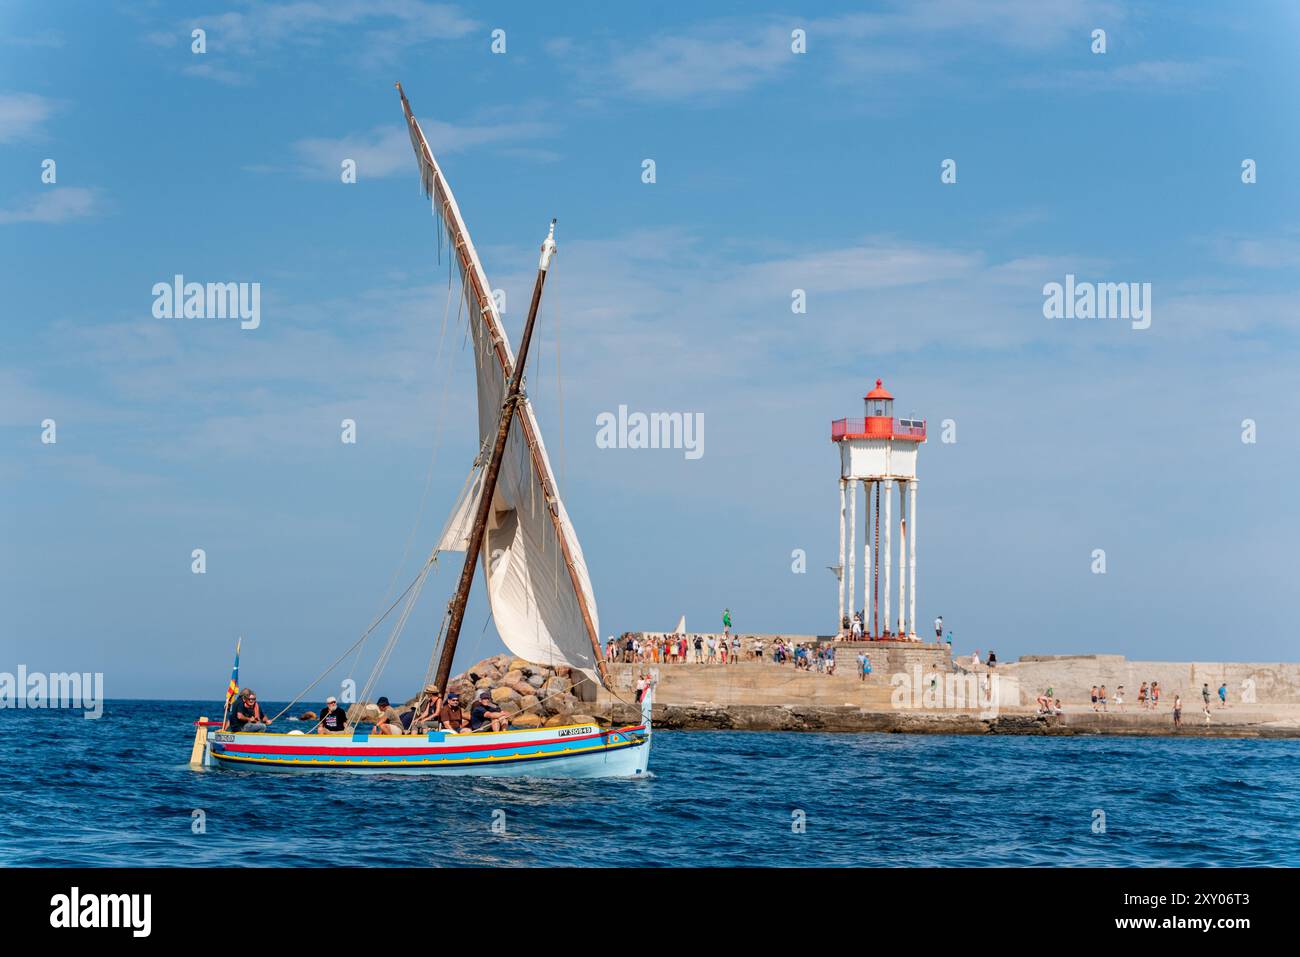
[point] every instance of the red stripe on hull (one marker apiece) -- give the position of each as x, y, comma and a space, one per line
380, 752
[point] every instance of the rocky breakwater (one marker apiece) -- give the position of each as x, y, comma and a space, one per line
533, 695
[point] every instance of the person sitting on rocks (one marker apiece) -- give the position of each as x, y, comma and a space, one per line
246, 714
388, 721
333, 719
485, 712
450, 715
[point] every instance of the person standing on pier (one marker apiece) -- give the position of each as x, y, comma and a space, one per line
1178, 711
726, 622
938, 629
856, 631
1223, 695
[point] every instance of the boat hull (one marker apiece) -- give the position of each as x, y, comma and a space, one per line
579, 751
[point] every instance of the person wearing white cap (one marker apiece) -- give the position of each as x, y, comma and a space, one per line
333, 719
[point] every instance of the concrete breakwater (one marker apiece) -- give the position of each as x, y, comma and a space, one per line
913, 688
917, 687
1257, 724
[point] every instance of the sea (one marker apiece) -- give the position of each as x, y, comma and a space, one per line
117, 791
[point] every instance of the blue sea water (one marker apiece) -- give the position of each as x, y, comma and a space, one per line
118, 791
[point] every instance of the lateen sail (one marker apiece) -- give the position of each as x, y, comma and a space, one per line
538, 587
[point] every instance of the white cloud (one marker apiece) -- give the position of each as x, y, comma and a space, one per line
386, 150
57, 204
1151, 75
733, 55
378, 30
23, 115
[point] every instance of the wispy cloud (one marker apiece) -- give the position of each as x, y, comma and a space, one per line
23, 115
57, 204
377, 30
1150, 75
723, 57
386, 150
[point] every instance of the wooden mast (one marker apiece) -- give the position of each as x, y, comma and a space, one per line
456, 608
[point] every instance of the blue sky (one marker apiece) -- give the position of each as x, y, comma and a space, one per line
775, 171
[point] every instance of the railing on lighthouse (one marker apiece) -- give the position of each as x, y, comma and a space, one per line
876, 428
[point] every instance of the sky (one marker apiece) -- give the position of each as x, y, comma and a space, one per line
774, 171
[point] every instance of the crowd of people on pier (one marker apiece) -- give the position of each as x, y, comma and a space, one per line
673, 649
1148, 699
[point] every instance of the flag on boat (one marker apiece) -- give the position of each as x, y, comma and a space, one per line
232, 689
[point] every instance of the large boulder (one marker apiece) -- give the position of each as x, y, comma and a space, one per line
581, 719
526, 721
537, 680
558, 685
518, 664
530, 702
504, 694
560, 704
522, 688
513, 675
483, 683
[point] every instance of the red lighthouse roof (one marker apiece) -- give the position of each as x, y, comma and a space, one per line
879, 392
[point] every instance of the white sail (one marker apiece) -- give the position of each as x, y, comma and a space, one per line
538, 587
455, 537
681, 626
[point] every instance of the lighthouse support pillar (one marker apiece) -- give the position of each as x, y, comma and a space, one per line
839, 622
853, 545
866, 561
886, 550
911, 561
902, 557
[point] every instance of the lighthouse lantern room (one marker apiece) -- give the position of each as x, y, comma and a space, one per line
878, 452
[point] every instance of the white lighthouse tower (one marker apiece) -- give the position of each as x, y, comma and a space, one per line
878, 452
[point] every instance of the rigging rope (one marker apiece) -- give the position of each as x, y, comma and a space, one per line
375, 624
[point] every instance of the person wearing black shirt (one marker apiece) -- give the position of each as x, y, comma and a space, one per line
246, 714
487, 711
333, 720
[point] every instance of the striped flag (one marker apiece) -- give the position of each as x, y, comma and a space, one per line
233, 688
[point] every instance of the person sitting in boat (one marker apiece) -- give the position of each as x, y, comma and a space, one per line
450, 715
246, 714
333, 719
486, 711
426, 716
388, 721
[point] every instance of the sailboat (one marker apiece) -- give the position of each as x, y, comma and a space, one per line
511, 521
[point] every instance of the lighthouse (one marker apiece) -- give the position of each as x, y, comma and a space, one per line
877, 453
